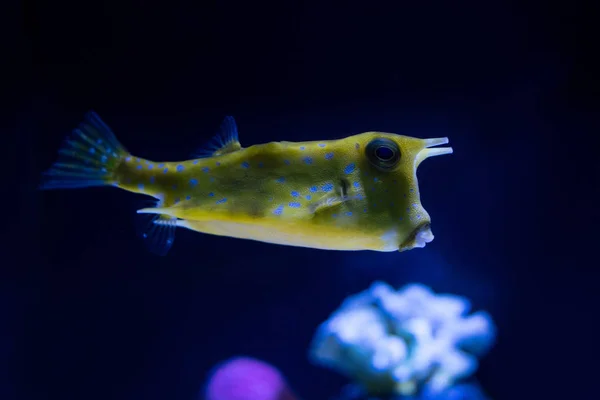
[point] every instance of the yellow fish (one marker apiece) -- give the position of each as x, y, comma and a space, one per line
357, 193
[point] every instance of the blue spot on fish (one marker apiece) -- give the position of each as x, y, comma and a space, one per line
152, 179
314, 189
308, 160
218, 164
104, 159
211, 194
308, 197
329, 156
92, 150
196, 162
221, 201
245, 164
193, 182
139, 167
140, 186
180, 168
150, 166
356, 185
328, 187
295, 204
161, 165
165, 170
286, 162
321, 144
295, 194
128, 159
365, 210
278, 210
349, 168
302, 147
349, 213
188, 197
205, 169
280, 180
376, 179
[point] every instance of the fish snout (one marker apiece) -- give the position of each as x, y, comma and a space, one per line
418, 238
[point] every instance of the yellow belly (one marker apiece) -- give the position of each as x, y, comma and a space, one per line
288, 234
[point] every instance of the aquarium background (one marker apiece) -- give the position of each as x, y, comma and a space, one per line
90, 314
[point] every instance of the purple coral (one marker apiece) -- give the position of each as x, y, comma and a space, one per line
245, 378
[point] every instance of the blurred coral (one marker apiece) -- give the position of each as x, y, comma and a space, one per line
244, 378
406, 342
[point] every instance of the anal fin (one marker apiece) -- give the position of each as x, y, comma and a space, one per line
157, 231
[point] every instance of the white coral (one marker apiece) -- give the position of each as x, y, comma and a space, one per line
396, 342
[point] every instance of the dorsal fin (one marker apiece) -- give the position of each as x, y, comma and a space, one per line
226, 141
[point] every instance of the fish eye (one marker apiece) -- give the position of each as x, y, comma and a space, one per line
383, 153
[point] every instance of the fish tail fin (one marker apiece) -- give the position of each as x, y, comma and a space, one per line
88, 157
156, 230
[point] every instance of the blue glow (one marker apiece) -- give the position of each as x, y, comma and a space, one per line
444, 344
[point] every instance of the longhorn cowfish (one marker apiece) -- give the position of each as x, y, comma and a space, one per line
356, 193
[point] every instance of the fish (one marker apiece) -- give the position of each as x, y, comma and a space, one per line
356, 193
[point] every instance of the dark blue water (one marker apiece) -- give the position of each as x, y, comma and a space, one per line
88, 313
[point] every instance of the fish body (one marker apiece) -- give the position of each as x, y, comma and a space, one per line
356, 193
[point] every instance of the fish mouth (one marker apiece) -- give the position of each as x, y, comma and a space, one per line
418, 237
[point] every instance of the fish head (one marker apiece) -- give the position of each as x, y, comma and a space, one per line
389, 175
